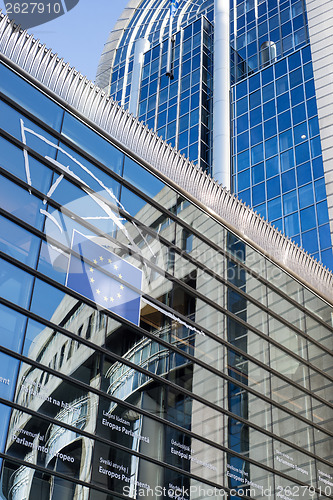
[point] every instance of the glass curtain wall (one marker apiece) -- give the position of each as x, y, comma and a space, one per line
144, 346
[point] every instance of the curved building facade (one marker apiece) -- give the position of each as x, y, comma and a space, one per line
266, 134
158, 339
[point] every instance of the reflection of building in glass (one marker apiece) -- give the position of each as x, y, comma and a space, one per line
259, 61
224, 382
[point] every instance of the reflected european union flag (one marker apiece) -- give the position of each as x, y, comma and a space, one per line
105, 278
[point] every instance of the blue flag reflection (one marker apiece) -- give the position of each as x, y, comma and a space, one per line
105, 278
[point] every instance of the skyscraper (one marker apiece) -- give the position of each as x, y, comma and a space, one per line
236, 89
158, 339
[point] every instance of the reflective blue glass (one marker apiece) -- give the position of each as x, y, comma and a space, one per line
291, 224
258, 194
245, 196
271, 147
280, 68
282, 85
273, 187
308, 218
288, 180
310, 241
268, 92
305, 195
21, 203
10, 120
256, 135
322, 212
272, 167
304, 174
286, 140
269, 109
297, 95
315, 146
284, 120
12, 326
242, 106
243, 180
325, 236
254, 82
327, 258
270, 128
92, 143
310, 91
296, 78
320, 189
30, 98
294, 60
255, 117
242, 123
9, 367
15, 284
274, 210
243, 141
290, 202
18, 242
311, 107
267, 75
283, 102
302, 153
141, 178
317, 167
298, 113
243, 160
307, 71
300, 133
258, 173
255, 99
257, 154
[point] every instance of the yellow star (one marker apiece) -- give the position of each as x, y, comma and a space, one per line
101, 258
121, 287
95, 261
109, 261
112, 299
91, 269
115, 266
120, 276
118, 295
106, 299
92, 280
98, 291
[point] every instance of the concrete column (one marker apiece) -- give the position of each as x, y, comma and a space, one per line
141, 46
221, 98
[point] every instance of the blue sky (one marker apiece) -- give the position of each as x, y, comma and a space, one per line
79, 35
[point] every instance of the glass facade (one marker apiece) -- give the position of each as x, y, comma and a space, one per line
146, 350
276, 157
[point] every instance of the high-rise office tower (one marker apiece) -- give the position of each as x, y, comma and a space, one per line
158, 339
243, 90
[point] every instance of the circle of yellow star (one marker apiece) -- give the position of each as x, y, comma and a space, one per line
120, 276
95, 261
92, 280
106, 299
121, 287
112, 299
98, 291
91, 269
118, 295
109, 261
115, 266
101, 258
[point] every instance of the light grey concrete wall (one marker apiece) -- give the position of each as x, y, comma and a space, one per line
320, 19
